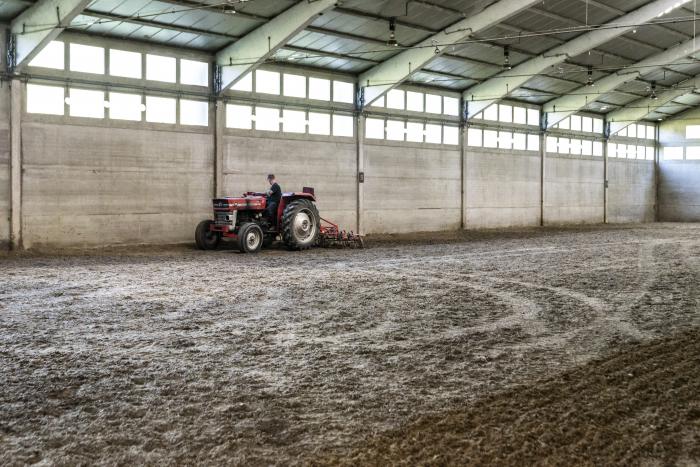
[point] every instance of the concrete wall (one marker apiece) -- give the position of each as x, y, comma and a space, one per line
412, 188
632, 191
503, 188
327, 164
4, 165
95, 185
574, 190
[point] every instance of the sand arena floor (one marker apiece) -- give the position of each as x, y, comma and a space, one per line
531, 346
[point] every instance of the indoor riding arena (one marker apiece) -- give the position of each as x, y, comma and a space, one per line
314, 232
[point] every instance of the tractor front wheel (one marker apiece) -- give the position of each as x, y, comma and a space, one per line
301, 225
204, 238
250, 238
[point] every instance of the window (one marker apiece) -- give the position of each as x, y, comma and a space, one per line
631, 151
414, 101
374, 128
564, 124
319, 124
673, 153
87, 59
450, 106
414, 132
474, 137
395, 99
490, 139
293, 121
194, 73
433, 133
433, 104
45, 99
479, 116
587, 147
520, 141
160, 109
612, 150
575, 147
692, 132
564, 145
692, 153
505, 113
533, 142
505, 140
343, 125
86, 103
267, 118
598, 125
159, 68
395, 130
194, 112
533, 117
450, 135
125, 106
641, 131
650, 152
587, 124
319, 89
520, 115
622, 132
267, 82
125, 64
632, 131
293, 85
598, 148
651, 132
378, 102
622, 151
575, 123
491, 113
245, 84
239, 116
343, 92
551, 144
51, 56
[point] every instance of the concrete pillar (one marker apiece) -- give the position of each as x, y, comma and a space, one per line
360, 132
606, 181
219, 125
16, 164
657, 171
464, 143
543, 161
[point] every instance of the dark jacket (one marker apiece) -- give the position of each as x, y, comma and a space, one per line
274, 195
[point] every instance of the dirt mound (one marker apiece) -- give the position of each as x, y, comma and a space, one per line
638, 407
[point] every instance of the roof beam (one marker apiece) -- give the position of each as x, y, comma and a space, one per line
640, 109
252, 49
485, 94
560, 108
40, 24
389, 74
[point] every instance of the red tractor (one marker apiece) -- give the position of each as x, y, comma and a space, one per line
297, 223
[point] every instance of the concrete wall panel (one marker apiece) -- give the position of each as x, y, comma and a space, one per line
87, 186
679, 191
632, 191
574, 190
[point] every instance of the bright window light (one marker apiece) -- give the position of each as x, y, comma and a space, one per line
651, 133
245, 84
414, 101
587, 147
450, 135
673, 153
575, 147
563, 145
86, 103
343, 125
598, 125
565, 124
474, 137
319, 89
378, 103
125, 106
491, 113
612, 150
125, 64
160, 68
520, 115
343, 92
160, 109
641, 152
551, 144
433, 133
45, 99
395, 99
575, 123
520, 141
414, 132
267, 82
319, 124
239, 116
374, 128
650, 153
87, 59
293, 121
533, 142
505, 140
395, 130
587, 124
641, 131
598, 148
622, 151
632, 131
505, 113
194, 73
433, 104
51, 56
622, 132
490, 139
267, 118
533, 117
194, 112
450, 106
294, 85
692, 132
631, 151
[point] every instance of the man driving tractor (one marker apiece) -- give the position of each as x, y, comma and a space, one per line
274, 196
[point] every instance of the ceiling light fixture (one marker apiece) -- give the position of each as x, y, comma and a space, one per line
506, 58
392, 33
589, 81
653, 95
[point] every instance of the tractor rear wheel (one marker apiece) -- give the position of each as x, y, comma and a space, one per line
204, 238
250, 238
301, 225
